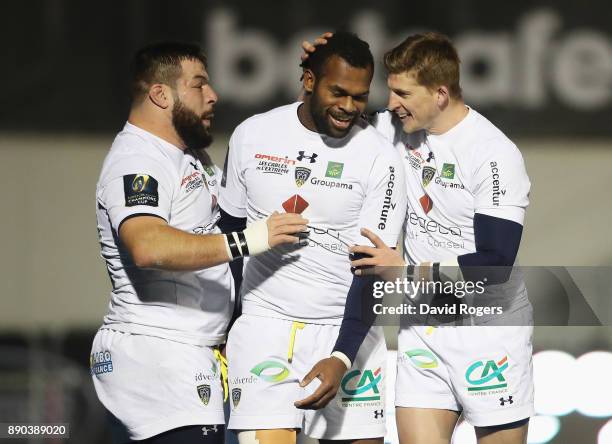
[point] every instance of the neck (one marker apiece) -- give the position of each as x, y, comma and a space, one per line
157, 125
305, 116
454, 113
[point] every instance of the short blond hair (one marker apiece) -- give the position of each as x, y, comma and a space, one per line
432, 58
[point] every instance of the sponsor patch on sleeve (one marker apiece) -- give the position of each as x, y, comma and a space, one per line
140, 189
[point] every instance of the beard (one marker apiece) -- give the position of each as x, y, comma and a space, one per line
321, 121
188, 125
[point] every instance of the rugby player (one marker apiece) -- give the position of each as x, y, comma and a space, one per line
467, 194
155, 361
301, 308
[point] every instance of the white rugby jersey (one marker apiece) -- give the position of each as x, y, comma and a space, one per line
471, 168
340, 185
145, 175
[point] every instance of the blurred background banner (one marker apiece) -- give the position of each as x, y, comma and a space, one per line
534, 68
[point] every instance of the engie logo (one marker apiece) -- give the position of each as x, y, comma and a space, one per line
363, 389
270, 371
486, 376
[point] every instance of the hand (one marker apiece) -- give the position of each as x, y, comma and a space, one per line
282, 225
381, 257
330, 371
309, 48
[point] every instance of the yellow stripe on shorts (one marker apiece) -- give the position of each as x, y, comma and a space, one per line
294, 328
223, 365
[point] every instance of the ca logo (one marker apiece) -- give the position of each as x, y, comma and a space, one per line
487, 375
367, 382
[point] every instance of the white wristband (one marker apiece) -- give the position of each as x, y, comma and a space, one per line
227, 247
256, 235
343, 358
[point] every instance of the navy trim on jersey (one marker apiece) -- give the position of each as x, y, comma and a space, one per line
497, 242
130, 216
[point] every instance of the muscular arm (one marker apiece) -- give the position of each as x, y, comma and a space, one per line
152, 243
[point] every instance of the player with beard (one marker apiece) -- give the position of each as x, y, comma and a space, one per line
301, 306
155, 361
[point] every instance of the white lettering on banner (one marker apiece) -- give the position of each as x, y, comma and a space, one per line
572, 67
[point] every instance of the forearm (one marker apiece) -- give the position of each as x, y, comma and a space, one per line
167, 248
358, 317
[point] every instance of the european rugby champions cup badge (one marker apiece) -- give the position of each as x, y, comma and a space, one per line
204, 393
428, 174
301, 175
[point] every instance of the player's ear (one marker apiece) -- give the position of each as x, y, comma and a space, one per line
160, 95
442, 97
308, 80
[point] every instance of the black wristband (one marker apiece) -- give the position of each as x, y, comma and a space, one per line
243, 243
232, 246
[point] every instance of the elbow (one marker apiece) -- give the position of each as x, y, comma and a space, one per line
143, 257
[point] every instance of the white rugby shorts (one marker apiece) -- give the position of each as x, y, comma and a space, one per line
484, 372
268, 357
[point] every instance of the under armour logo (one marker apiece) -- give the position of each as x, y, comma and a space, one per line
212, 429
503, 401
303, 156
379, 413
430, 156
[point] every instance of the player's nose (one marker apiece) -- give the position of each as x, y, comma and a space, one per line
348, 105
392, 103
211, 95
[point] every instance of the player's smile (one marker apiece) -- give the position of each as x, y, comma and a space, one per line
342, 122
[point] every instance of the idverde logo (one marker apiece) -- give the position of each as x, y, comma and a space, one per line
422, 358
368, 382
270, 371
487, 375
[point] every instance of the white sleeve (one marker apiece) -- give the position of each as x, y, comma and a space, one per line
232, 196
501, 185
136, 185
384, 208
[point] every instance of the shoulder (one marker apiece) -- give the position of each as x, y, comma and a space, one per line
489, 137
386, 123
133, 153
494, 150
375, 139
274, 117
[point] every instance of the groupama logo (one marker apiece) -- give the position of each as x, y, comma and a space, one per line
270, 371
366, 387
487, 375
